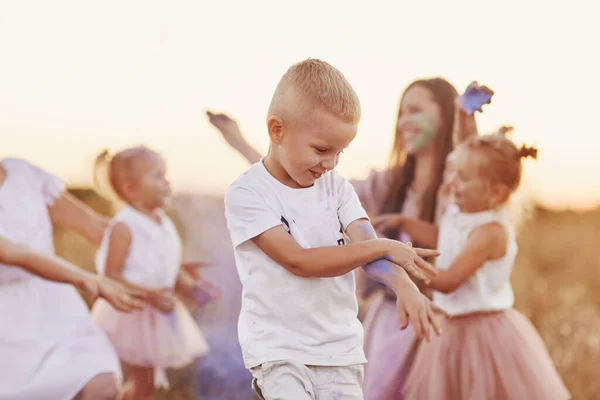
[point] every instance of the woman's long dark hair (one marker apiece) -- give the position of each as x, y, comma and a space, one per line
402, 165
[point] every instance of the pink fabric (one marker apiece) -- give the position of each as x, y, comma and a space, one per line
485, 356
372, 191
150, 338
389, 350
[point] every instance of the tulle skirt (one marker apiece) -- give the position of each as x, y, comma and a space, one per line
496, 355
150, 338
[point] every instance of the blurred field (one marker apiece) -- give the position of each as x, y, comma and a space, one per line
556, 281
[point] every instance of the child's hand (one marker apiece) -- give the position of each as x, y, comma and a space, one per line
228, 127
163, 300
120, 297
416, 308
385, 222
411, 259
204, 292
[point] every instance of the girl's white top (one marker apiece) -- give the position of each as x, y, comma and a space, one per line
489, 288
154, 256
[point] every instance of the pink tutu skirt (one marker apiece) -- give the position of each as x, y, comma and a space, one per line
150, 338
496, 355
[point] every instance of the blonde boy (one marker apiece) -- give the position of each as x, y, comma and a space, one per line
288, 217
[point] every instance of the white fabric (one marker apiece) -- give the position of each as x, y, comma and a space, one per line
148, 337
49, 347
283, 316
154, 256
292, 380
489, 289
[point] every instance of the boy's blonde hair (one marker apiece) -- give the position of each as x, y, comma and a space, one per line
312, 84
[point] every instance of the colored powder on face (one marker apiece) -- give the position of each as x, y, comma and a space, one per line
427, 129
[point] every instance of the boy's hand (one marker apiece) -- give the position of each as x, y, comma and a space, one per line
416, 308
163, 300
411, 259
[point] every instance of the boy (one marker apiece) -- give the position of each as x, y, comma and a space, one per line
288, 216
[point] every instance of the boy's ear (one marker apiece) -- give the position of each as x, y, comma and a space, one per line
275, 126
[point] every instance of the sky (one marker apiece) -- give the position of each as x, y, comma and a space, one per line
78, 76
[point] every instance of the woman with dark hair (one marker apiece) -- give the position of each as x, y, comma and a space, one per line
428, 125
409, 187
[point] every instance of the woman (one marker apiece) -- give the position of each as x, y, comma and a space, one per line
49, 347
428, 124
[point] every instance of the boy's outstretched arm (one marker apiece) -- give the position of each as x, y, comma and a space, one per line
249, 218
412, 305
331, 261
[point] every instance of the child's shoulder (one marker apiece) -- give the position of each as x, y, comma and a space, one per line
248, 178
250, 184
139, 225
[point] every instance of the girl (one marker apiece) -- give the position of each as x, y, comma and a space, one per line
49, 347
428, 124
142, 249
488, 349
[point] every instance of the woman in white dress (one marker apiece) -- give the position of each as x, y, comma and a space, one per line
49, 346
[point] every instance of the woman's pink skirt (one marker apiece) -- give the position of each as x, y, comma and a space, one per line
388, 349
496, 355
150, 338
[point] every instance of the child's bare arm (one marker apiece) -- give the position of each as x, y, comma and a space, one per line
422, 232
73, 214
412, 305
118, 248
487, 242
331, 261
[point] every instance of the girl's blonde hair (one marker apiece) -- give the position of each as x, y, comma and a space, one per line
501, 157
114, 170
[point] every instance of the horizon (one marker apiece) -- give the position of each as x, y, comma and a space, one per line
80, 77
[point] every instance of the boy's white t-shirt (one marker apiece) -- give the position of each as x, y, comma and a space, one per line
285, 317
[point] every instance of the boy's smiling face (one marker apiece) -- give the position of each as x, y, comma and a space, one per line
308, 145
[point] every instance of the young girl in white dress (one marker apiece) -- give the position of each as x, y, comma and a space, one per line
141, 247
488, 349
49, 347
